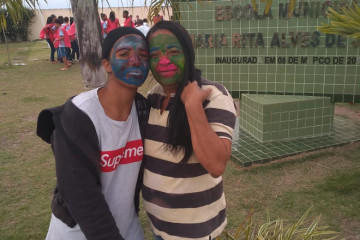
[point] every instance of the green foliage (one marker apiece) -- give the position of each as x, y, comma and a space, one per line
15, 10
347, 22
17, 30
279, 230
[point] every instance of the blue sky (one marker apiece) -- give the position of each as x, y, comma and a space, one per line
56, 4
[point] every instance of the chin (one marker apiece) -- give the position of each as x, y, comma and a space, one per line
127, 85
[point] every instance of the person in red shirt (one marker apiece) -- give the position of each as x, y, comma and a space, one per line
128, 21
157, 18
62, 42
104, 25
47, 32
74, 41
112, 22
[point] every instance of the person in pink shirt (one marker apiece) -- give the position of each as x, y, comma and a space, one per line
112, 22
104, 25
157, 18
128, 21
61, 42
47, 33
66, 24
74, 43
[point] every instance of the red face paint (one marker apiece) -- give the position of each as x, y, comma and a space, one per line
165, 68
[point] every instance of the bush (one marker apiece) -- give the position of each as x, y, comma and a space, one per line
21, 31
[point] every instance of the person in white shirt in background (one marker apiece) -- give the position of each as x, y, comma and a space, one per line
145, 23
142, 28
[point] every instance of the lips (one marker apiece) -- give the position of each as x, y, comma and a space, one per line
134, 74
167, 71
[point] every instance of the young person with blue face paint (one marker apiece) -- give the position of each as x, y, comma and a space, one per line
98, 149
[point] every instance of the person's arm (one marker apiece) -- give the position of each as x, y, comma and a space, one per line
212, 151
77, 153
46, 30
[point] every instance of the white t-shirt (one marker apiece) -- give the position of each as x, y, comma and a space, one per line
121, 155
144, 29
61, 34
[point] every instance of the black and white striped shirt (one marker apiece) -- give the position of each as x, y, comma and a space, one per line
183, 201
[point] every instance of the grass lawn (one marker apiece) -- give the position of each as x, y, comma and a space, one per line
328, 180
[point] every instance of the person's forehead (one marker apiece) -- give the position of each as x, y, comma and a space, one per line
163, 32
130, 39
163, 36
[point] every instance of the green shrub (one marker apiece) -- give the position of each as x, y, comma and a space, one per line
17, 33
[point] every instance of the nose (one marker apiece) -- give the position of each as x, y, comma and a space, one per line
164, 60
134, 60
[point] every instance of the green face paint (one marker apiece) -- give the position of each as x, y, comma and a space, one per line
167, 60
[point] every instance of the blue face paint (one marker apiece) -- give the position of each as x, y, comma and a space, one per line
129, 61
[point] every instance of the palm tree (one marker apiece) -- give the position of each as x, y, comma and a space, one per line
15, 9
346, 23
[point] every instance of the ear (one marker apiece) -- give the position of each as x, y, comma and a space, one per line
107, 66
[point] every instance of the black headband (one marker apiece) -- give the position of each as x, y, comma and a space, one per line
114, 35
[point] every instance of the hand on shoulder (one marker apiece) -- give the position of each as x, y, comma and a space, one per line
193, 94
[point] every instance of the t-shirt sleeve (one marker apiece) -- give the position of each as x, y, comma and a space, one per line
221, 113
61, 34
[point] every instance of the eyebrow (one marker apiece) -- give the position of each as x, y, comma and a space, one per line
154, 49
122, 48
173, 46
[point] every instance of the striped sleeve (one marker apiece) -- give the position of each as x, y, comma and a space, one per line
220, 111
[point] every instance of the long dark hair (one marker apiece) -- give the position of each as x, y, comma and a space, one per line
49, 20
61, 19
179, 130
112, 16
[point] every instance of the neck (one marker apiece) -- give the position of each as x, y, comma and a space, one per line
116, 98
170, 89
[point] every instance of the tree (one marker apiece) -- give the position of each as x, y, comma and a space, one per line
89, 37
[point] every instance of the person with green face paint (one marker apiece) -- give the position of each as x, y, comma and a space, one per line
187, 141
98, 148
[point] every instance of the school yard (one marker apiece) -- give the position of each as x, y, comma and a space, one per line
328, 180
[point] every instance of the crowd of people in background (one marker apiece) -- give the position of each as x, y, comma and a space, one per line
110, 23
60, 34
